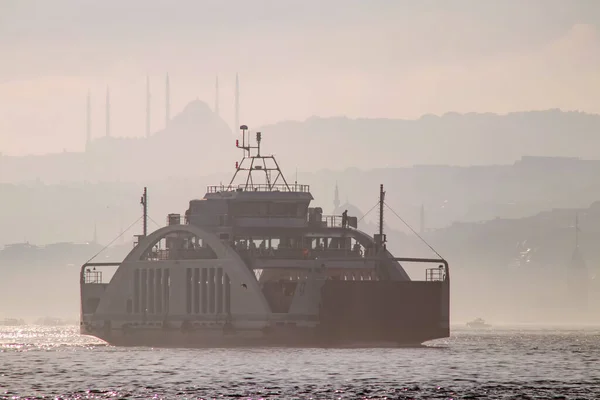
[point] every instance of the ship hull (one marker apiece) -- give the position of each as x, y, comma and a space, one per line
309, 337
352, 313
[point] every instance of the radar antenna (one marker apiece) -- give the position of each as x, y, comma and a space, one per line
257, 162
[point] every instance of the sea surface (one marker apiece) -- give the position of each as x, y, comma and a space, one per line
501, 363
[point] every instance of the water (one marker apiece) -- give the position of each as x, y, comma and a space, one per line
508, 363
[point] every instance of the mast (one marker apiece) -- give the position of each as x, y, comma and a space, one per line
381, 200
144, 203
258, 163
380, 237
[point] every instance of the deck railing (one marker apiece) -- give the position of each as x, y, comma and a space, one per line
92, 276
434, 274
333, 221
295, 187
295, 253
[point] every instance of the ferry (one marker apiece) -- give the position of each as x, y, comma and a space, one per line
252, 263
478, 323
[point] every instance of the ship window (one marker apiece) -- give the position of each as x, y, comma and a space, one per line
196, 285
166, 289
188, 290
151, 291
144, 287
271, 209
158, 290
211, 291
179, 246
203, 284
219, 281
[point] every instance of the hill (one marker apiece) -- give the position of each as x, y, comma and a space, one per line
197, 142
451, 139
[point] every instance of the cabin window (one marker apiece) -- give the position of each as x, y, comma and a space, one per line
158, 290
207, 291
188, 290
166, 289
211, 290
203, 284
151, 291
219, 289
196, 285
269, 209
179, 246
144, 291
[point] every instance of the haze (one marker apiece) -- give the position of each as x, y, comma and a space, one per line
479, 117
392, 59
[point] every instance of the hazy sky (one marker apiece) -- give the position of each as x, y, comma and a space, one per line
376, 58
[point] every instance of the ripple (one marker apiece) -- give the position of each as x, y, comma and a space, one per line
42, 362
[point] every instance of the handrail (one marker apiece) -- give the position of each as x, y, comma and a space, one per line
258, 188
333, 221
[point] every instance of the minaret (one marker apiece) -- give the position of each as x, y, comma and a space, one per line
336, 198
167, 102
107, 112
217, 96
88, 127
577, 276
147, 106
95, 240
237, 104
422, 219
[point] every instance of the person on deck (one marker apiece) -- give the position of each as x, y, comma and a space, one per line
345, 219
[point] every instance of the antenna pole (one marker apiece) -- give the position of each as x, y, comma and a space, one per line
144, 203
381, 202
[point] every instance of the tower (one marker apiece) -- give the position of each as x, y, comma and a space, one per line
217, 96
577, 276
95, 240
336, 198
88, 117
147, 106
237, 104
107, 112
167, 102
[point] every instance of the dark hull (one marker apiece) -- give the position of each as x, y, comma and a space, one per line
297, 339
353, 313
385, 311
